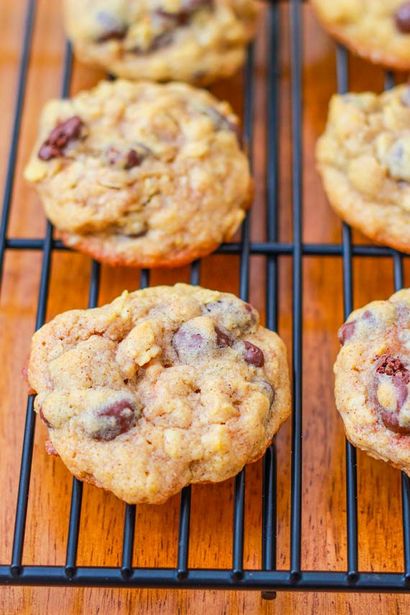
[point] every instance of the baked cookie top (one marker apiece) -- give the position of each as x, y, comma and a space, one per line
364, 160
161, 388
373, 379
378, 30
162, 40
141, 174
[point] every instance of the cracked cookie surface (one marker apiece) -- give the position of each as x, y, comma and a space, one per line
364, 160
141, 174
160, 40
163, 387
378, 30
373, 379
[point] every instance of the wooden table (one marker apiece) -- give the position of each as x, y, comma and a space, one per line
324, 506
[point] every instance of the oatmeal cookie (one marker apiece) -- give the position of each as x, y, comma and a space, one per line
161, 40
364, 160
378, 30
373, 379
141, 174
163, 387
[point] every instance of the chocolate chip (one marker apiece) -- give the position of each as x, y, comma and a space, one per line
402, 392
141, 233
231, 314
196, 5
192, 343
391, 421
117, 418
253, 355
188, 8
112, 27
223, 123
188, 340
47, 152
60, 137
222, 340
189, 344
392, 366
346, 331
164, 39
175, 19
267, 389
127, 159
402, 18
116, 34
168, 22
133, 159
113, 35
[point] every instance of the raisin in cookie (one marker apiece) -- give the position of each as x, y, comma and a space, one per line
141, 174
161, 40
161, 388
364, 160
373, 379
378, 30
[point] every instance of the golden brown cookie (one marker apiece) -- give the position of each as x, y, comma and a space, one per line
364, 160
163, 387
141, 174
162, 40
373, 379
378, 30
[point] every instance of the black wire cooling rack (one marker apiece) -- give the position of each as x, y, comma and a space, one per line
267, 578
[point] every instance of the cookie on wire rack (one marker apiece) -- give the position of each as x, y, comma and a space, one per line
141, 174
373, 379
162, 40
378, 30
363, 158
163, 387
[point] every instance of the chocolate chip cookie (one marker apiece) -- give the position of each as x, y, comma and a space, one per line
364, 160
373, 379
141, 174
378, 30
161, 40
163, 387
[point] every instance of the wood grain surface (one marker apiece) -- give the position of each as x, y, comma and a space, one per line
324, 506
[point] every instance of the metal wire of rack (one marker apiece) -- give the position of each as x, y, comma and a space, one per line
268, 578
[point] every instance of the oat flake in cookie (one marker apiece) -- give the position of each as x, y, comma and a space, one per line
163, 387
162, 40
364, 160
378, 30
373, 379
141, 174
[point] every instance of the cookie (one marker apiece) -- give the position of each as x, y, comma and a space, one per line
364, 160
161, 40
141, 174
161, 388
378, 30
373, 379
